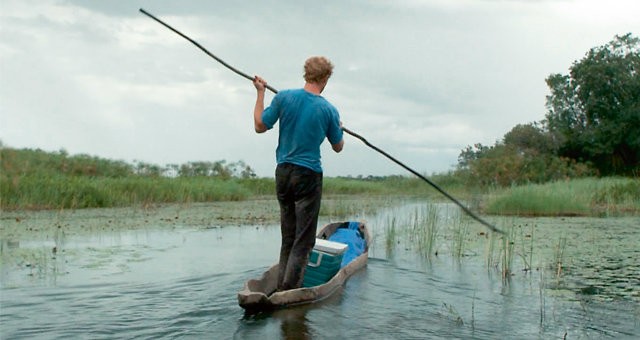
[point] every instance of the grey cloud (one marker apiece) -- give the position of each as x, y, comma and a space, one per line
422, 79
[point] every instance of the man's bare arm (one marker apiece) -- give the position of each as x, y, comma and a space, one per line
260, 85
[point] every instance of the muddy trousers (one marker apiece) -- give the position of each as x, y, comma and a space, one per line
299, 192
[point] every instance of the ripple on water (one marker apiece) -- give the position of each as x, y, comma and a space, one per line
182, 283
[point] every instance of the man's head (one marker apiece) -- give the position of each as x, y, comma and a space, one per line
317, 70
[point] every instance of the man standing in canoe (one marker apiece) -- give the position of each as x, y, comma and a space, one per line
306, 119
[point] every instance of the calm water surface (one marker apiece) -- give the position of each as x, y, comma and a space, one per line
182, 283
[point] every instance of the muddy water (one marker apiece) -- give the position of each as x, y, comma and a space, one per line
176, 280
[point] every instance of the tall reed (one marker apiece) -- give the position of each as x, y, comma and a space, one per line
507, 254
541, 293
390, 234
424, 229
460, 233
490, 247
558, 255
527, 254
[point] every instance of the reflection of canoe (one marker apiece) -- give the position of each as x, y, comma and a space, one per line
259, 294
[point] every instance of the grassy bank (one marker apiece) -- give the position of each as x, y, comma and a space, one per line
64, 192
75, 192
578, 197
35, 180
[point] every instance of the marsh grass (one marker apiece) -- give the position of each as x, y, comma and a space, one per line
614, 196
535, 200
490, 247
527, 249
473, 309
85, 192
35, 179
337, 208
32, 180
460, 231
418, 230
506, 253
348, 186
431, 230
515, 251
558, 255
541, 297
424, 229
390, 234
577, 197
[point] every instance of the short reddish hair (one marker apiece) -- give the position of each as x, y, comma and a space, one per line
317, 69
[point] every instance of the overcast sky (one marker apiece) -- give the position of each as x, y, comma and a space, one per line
419, 79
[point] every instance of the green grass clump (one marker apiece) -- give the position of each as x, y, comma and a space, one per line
536, 200
460, 230
615, 195
577, 197
425, 229
390, 235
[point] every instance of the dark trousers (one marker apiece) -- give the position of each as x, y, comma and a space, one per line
299, 192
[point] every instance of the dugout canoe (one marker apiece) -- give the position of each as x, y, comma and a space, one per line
259, 294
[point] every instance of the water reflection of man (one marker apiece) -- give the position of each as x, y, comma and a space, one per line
293, 324
306, 119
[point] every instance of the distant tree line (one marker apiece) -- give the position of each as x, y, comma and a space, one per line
592, 125
16, 163
218, 169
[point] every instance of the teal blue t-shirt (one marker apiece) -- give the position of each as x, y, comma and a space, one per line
305, 120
